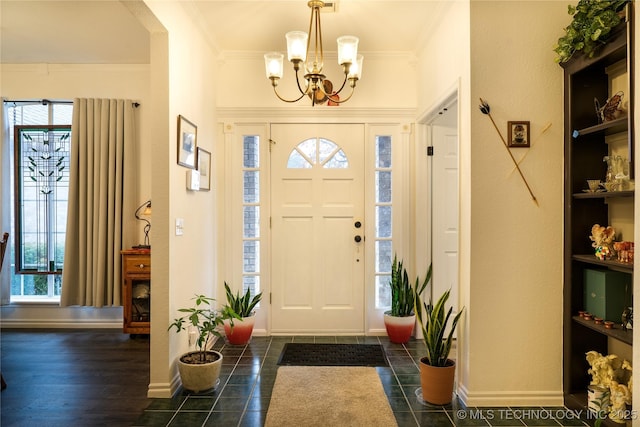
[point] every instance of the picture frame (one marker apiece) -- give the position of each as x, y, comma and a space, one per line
204, 167
519, 134
187, 143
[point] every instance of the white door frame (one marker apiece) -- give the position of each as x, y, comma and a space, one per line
424, 172
229, 177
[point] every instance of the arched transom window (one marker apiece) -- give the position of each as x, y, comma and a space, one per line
317, 152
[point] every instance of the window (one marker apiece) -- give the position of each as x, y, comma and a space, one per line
317, 151
383, 223
251, 214
41, 148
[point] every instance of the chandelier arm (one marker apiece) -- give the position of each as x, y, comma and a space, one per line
340, 101
287, 100
303, 92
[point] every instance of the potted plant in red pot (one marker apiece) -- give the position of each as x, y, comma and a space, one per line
239, 328
400, 320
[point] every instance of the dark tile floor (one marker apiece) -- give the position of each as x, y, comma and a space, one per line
249, 372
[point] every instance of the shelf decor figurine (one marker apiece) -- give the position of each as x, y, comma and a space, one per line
602, 238
611, 385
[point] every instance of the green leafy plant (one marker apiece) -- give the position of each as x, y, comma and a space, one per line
434, 322
592, 23
403, 294
242, 305
205, 319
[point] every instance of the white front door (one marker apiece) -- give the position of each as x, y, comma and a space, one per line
317, 214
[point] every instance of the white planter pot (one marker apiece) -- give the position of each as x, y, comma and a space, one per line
199, 377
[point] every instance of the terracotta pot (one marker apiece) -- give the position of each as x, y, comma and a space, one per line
201, 376
242, 330
399, 329
437, 382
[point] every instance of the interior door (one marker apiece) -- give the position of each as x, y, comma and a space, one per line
445, 206
317, 225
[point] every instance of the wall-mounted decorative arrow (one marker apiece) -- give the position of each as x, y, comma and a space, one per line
485, 109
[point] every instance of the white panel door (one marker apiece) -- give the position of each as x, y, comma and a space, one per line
317, 197
445, 212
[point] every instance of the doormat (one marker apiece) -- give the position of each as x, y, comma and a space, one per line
306, 354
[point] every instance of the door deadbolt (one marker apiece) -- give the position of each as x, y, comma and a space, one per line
357, 224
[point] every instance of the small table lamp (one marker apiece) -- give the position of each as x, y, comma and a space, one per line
146, 212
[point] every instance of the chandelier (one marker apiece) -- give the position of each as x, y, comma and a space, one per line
315, 84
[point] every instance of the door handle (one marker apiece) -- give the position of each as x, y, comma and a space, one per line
358, 239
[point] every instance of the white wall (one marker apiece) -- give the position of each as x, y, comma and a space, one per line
181, 265
68, 81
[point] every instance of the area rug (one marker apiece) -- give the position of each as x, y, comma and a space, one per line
307, 354
328, 396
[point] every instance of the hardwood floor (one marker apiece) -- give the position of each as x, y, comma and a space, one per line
73, 377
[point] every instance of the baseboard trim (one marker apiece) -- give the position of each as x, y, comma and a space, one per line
58, 324
164, 390
510, 398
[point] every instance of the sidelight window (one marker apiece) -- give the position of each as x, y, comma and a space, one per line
383, 220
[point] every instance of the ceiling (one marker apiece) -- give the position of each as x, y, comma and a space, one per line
92, 31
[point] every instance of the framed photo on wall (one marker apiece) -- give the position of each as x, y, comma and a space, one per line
204, 167
187, 143
518, 134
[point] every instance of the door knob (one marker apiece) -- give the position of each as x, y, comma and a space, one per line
358, 239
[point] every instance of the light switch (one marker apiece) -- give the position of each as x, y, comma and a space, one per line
179, 226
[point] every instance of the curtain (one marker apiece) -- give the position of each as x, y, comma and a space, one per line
100, 193
5, 208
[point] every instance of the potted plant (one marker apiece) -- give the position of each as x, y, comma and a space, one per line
437, 370
590, 27
199, 370
239, 328
400, 320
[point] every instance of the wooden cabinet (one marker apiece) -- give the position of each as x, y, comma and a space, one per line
136, 291
587, 140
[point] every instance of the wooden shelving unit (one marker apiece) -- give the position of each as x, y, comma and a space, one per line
136, 291
586, 143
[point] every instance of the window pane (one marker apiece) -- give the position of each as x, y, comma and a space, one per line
251, 187
251, 256
326, 148
251, 221
383, 256
251, 152
383, 187
338, 161
383, 292
62, 114
253, 284
309, 149
383, 221
297, 161
383, 151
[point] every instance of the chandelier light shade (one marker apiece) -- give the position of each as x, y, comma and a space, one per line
302, 55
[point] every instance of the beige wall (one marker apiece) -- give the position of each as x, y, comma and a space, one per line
387, 82
510, 343
514, 292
